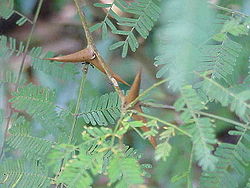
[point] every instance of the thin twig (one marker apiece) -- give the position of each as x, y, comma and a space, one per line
222, 88
154, 105
189, 179
78, 103
222, 119
169, 107
146, 92
119, 122
28, 42
161, 121
21, 69
88, 34
228, 10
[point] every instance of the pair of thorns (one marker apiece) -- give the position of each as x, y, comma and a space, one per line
89, 56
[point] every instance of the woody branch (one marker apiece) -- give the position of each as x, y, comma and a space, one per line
91, 45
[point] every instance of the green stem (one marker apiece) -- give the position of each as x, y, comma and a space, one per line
28, 42
78, 103
162, 121
221, 118
116, 129
228, 10
155, 105
169, 107
21, 70
146, 92
138, 132
189, 180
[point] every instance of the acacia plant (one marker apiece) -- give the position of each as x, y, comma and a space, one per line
200, 59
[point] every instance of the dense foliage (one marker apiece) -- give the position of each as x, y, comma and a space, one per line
94, 138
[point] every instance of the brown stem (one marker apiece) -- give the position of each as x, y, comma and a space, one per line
88, 34
143, 59
99, 58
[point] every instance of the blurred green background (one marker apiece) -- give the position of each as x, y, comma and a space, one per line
60, 31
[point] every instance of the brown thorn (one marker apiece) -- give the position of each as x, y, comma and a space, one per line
132, 95
84, 55
88, 55
135, 88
